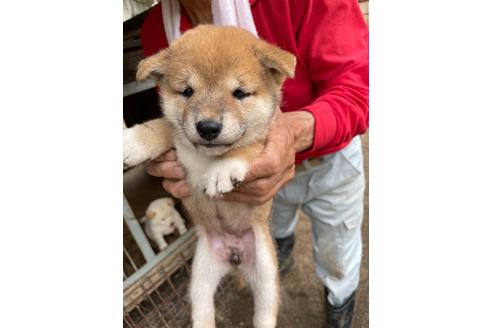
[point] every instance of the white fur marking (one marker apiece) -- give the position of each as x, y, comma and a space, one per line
222, 175
264, 282
206, 274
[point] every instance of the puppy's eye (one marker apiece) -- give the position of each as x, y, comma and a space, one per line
240, 94
188, 92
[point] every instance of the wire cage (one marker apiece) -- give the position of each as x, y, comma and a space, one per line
155, 284
155, 294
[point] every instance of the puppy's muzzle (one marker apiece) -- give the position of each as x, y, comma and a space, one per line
208, 129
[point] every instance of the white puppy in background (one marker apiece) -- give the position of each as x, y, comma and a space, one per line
161, 218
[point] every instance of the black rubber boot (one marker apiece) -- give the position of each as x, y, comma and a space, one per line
284, 253
340, 317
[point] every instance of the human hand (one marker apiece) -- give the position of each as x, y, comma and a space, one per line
275, 166
167, 166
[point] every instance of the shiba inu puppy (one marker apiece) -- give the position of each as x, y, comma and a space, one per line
161, 218
219, 88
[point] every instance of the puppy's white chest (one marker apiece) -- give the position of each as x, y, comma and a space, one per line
196, 165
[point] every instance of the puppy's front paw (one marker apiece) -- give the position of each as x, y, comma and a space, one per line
224, 176
133, 151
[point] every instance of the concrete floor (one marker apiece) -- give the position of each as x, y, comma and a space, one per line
301, 291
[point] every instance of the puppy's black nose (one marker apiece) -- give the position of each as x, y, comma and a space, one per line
208, 129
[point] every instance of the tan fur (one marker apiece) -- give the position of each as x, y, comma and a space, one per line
245, 62
150, 215
214, 62
151, 67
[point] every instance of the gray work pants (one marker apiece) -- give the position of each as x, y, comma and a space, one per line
332, 196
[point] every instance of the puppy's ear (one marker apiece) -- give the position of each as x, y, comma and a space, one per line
280, 63
150, 215
171, 202
152, 66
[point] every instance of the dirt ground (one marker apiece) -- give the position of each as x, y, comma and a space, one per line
301, 291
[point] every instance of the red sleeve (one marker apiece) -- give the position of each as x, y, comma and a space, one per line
333, 43
152, 33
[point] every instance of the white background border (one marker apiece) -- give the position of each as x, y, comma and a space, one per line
430, 164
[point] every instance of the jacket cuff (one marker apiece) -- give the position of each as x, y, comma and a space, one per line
324, 126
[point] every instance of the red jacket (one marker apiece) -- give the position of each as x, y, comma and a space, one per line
330, 41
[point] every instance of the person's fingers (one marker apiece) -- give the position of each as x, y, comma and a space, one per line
177, 188
169, 155
264, 185
291, 172
265, 165
277, 154
153, 169
168, 169
270, 161
259, 199
236, 196
259, 186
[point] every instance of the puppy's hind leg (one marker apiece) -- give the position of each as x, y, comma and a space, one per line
207, 271
263, 278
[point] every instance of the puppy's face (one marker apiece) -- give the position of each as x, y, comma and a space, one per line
219, 86
160, 213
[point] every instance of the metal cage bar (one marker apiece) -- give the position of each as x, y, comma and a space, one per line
136, 231
158, 258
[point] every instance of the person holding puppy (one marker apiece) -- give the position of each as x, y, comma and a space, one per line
313, 157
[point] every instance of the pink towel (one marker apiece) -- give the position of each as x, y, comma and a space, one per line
225, 13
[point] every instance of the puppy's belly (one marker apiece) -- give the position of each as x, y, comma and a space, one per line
228, 217
235, 250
